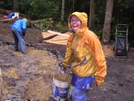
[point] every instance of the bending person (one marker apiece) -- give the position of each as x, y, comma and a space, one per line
18, 29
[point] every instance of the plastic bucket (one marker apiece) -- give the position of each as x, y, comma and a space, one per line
61, 86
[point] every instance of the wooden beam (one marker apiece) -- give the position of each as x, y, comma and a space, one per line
53, 32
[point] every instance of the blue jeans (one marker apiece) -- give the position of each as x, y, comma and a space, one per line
18, 39
78, 95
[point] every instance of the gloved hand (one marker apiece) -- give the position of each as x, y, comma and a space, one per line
24, 32
63, 68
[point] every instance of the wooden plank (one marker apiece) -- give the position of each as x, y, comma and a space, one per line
8, 20
58, 33
58, 39
46, 35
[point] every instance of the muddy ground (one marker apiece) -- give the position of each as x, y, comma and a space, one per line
29, 77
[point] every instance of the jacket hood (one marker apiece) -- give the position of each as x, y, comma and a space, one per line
83, 17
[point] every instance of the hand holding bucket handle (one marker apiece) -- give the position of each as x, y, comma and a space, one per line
63, 68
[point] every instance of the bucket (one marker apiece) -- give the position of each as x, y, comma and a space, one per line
61, 86
16, 15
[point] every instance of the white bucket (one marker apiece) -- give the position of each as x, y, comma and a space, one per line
61, 86
15, 15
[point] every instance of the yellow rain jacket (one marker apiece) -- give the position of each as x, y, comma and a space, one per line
84, 52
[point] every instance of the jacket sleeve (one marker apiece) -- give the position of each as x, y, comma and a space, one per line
24, 28
68, 56
96, 47
24, 25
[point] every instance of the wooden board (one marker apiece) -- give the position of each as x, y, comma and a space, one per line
55, 38
8, 20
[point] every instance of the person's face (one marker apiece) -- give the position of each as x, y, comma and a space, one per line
75, 23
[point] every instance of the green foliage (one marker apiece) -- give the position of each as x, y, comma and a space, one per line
39, 9
42, 9
44, 25
6, 4
130, 4
98, 32
61, 26
100, 11
99, 16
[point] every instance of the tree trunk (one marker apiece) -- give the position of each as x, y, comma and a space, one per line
15, 5
91, 14
62, 11
107, 23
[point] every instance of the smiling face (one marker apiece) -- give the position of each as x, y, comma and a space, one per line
75, 23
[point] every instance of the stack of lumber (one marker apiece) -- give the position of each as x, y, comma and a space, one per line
55, 37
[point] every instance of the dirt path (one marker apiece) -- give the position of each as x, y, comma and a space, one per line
119, 81
28, 76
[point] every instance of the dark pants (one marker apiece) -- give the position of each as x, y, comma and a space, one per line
18, 39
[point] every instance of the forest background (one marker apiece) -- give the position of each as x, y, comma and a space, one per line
103, 15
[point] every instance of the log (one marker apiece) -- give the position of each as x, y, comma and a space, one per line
8, 20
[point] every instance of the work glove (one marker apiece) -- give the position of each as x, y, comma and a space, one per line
63, 68
24, 32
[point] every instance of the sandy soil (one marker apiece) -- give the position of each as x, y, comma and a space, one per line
30, 76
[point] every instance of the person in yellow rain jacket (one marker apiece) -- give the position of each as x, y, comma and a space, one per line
84, 55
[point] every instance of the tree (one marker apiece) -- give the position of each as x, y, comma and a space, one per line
107, 23
91, 14
15, 5
62, 10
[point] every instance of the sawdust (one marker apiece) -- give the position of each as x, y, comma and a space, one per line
11, 74
63, 77
4, 89
30, 75
108, 50
38, 90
